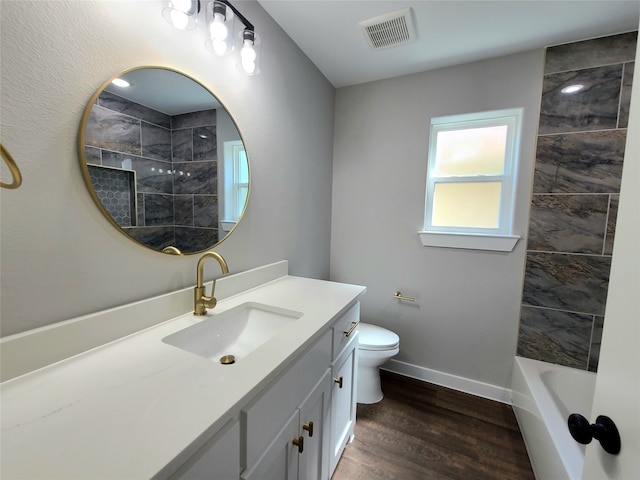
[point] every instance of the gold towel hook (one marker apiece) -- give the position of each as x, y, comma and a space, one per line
13, 168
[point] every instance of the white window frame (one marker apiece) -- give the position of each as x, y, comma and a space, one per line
500, 238
232, 208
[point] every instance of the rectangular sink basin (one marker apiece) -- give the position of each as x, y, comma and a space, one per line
235, 332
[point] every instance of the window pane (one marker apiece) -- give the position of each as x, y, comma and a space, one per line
472, 151
243, 168
242, 199
466, 205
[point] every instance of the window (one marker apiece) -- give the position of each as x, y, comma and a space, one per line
236, 182
471, 180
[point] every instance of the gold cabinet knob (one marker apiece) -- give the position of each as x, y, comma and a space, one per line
338, 381
309, 428
299, 442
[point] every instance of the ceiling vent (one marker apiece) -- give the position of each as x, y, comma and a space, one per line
395, 28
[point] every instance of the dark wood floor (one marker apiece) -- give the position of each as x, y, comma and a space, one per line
422, 431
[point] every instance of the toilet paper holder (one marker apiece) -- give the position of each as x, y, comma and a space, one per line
398, 295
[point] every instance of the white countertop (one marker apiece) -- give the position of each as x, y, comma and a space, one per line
137, 407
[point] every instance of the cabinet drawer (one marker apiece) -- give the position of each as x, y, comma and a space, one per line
342, 328
265, 416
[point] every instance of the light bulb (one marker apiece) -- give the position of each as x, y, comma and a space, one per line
219, 46
249, 66
218, 29
248, 57
182, 13
247, 53
179, 19
182, 5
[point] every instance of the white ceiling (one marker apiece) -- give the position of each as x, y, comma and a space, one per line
449, 32
150, 87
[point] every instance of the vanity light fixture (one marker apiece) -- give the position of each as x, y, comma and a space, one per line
220, 28
182, 14
221, 16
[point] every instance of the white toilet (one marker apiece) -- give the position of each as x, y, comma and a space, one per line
376, 345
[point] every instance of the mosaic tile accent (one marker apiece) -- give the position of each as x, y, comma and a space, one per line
591, 53
568, 223
127, 107
112, 131
577, 283
555, 336
115, 189
594, 108
625, 95
611, 224
588, 162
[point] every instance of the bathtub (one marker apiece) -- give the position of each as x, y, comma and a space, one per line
543, 396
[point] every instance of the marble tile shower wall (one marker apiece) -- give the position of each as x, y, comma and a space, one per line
580, 151
175, 162
195, 180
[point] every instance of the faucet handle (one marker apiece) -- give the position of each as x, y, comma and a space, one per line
201, 302
209, 302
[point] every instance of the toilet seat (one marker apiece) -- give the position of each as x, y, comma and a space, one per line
374, 338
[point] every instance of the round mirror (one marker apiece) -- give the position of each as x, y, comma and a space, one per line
164, 160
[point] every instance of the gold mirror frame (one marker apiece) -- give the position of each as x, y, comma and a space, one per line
170, 248
16, 176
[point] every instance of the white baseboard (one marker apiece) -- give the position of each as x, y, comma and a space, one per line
466, 385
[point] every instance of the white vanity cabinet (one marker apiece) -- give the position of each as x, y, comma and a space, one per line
218, 459
297, 427
344, 371
299, 450
193, 418
286, 428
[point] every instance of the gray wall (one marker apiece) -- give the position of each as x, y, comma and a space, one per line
465, 319
579, 160
60, 257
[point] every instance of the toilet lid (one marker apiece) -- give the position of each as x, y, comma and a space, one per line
372, 337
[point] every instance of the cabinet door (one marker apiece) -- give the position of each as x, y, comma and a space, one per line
268, 412
343, 400
218, 459
280, 459
314, 428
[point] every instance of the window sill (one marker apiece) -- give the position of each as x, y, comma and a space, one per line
469, 241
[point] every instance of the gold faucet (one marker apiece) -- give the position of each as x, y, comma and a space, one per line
200, 301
